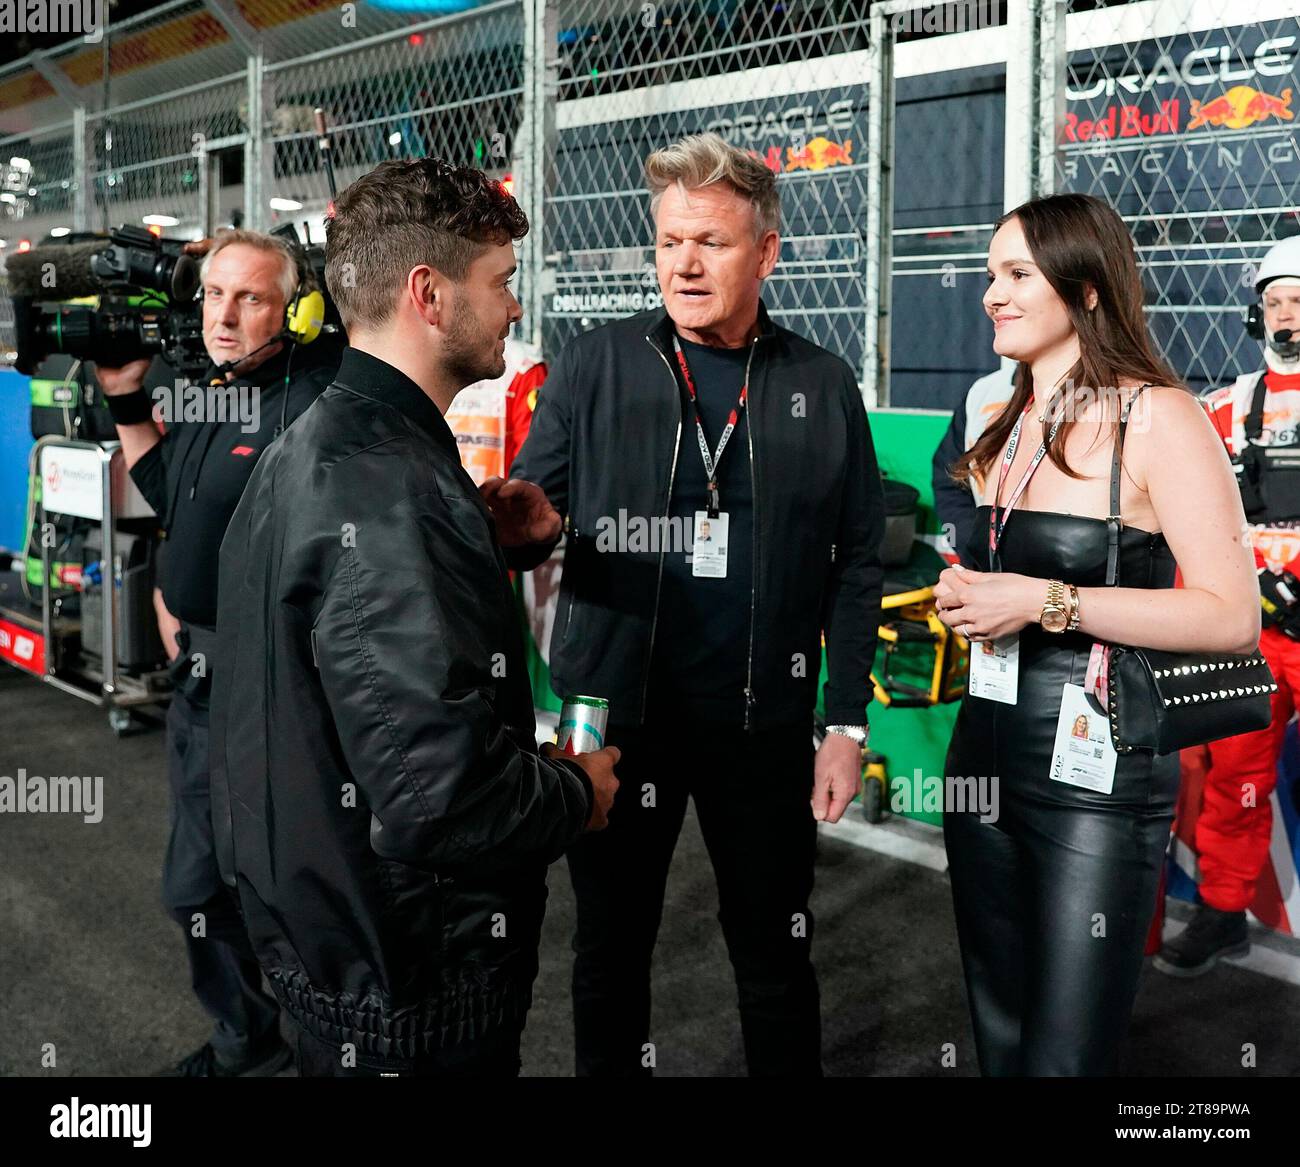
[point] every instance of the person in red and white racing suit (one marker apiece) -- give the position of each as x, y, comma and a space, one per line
1258, 417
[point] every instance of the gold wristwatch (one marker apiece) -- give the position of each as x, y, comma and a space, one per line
1054, 616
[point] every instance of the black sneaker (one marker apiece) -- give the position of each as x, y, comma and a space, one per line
204, 1063
1210, 935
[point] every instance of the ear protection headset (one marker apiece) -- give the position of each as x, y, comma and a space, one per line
1255, 321
305, 314
303, 318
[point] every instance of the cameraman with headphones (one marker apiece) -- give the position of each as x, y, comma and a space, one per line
257, 315
1258, 418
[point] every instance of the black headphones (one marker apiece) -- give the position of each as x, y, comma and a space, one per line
1255, 321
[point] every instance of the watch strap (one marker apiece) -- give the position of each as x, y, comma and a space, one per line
857, 733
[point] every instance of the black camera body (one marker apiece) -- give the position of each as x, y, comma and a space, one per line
110, 300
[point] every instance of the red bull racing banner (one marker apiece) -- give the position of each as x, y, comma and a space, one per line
1193, 137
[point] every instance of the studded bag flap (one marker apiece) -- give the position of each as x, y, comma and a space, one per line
1167, 701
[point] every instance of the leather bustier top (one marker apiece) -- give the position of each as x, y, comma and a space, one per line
1052, 545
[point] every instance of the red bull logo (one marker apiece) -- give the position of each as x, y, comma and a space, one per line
1123, 121
772, 159
1239, 107
818, 154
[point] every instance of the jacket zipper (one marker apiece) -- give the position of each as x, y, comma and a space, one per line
568, 619
753, 573
668, 502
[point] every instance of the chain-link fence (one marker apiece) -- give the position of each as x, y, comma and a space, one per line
1183, 117
787, 83
450, 89
900, 131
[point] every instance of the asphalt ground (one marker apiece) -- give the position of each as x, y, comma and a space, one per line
91, 966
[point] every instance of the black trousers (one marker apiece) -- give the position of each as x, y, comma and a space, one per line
223, 970
752, 795
494, 1056
1053, 899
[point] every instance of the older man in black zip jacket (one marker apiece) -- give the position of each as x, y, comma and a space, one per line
372, 717
709, 652
193, 476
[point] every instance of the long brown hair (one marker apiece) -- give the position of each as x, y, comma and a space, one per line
1079, 243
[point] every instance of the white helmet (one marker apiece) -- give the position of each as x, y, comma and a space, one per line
1281, 263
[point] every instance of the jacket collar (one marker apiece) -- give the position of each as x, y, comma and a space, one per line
376, 380
660, 332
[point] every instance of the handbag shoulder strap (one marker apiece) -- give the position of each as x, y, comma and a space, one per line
1115, 521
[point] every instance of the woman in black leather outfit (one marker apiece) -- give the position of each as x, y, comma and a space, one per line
1054, 897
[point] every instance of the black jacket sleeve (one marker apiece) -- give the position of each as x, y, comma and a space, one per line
412, 698
150, 475
544, 456
857, 576
953, 503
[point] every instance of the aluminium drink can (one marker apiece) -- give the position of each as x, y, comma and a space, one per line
582, 725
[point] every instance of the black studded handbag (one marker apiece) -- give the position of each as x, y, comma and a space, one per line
1167, 701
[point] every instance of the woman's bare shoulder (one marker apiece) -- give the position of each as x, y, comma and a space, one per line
1169, 429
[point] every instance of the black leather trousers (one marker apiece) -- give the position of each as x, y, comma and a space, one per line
1055, 897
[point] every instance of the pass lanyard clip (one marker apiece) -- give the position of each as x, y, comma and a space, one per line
998, 521
711, 461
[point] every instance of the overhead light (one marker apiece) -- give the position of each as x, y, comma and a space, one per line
3, 242
20, 163
160, 221
60, 232
8, 198
24, 245
395, 138
279, 204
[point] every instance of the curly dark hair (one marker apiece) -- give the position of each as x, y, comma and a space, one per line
407, 212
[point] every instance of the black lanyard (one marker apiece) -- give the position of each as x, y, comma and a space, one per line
998, 522
711, 461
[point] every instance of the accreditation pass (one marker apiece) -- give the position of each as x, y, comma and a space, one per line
1083, 754
709, 550
995, 669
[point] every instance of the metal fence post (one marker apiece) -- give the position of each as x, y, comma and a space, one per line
536, 150
255, 158
880, 211
81, 168
1020, 134
1050, 114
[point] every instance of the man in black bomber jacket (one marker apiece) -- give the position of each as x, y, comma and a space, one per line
372, 723
709, 652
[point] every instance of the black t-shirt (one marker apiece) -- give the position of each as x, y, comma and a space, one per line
195, 477
701, 650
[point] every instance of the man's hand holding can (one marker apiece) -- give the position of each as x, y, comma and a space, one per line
599, 766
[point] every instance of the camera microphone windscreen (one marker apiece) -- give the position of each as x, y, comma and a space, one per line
54, 273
